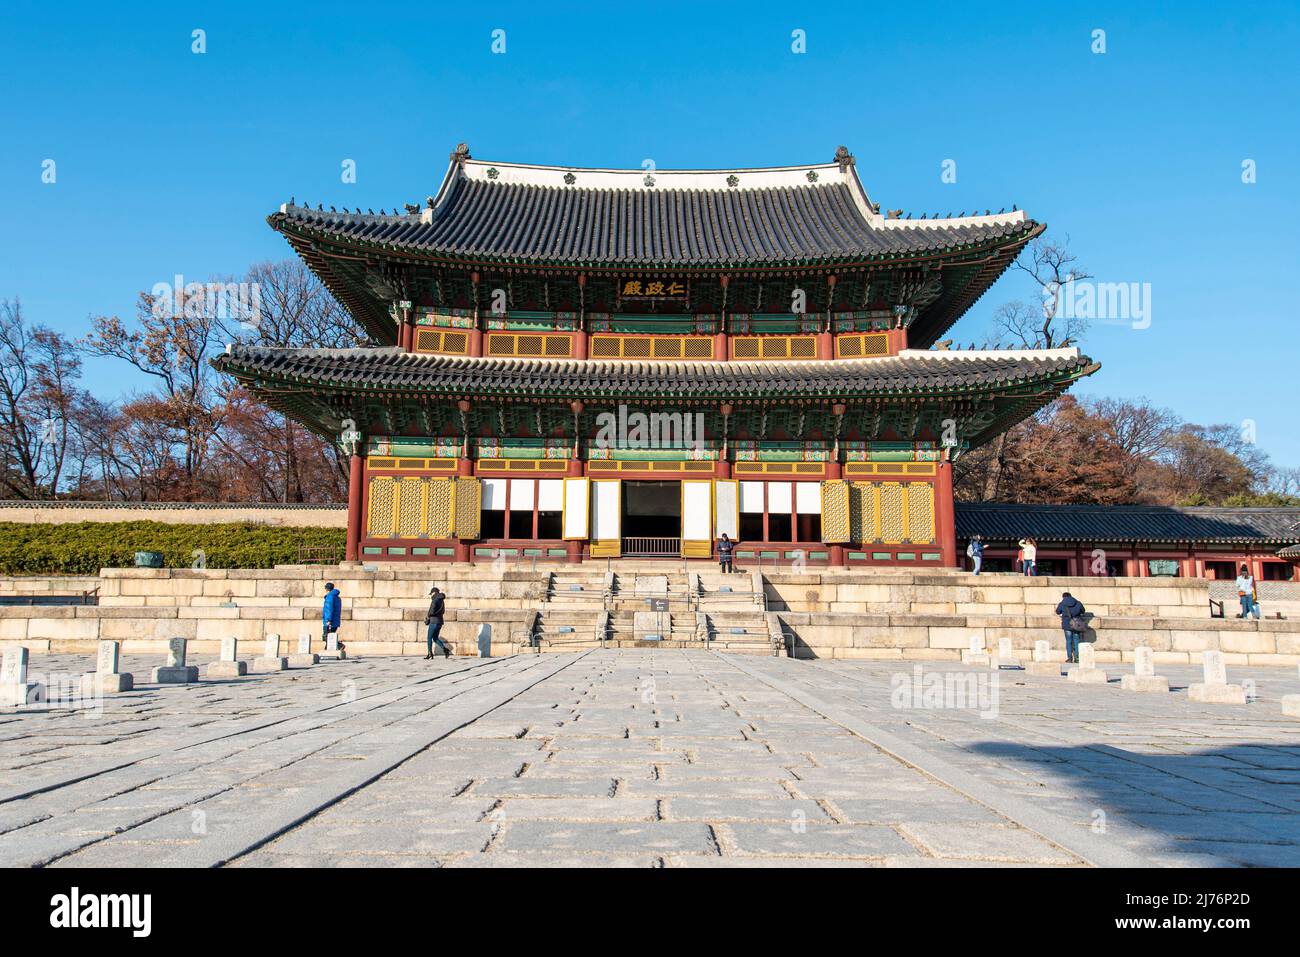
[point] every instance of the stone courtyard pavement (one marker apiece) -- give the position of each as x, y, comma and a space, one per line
648, 758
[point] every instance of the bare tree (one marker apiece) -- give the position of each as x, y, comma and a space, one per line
1042, 326
39, 370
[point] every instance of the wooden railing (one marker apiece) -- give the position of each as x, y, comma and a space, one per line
651, 547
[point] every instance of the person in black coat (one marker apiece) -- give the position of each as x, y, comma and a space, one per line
1070, 608
433, 619
725, 549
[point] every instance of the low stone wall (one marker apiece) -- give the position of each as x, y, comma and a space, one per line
830, 613
375, 631
174, 513
960, 593
383, 609
945, 637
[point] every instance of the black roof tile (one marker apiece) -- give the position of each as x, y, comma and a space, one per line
392, 368
528, 223
1127, 523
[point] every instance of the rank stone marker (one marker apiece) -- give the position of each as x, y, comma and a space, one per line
15, 689
1042, 663
1087, 673
107, 678
270, 662
229, 666
1215, 688
175, 672
1144, 677
1006, 657
975, 654
332, 649
305, 657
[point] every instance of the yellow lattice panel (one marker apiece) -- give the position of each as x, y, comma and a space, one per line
468, 504
888, 469
920, 512
496, 466
439, 520
442, 341
836, 517
612, 346
893, 520
529, 344
383, 498
862, 345
410, 507
607, 548
775, 347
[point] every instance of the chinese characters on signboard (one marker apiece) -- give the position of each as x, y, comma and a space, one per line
651, 289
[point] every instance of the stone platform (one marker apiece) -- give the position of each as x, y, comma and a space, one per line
828, 613
650, 758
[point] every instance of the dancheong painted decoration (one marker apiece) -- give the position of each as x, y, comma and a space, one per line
574, 363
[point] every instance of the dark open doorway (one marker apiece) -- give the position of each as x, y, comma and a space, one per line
652, 510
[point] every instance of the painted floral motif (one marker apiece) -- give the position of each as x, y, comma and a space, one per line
733, 180
493, 172
812, 176
569, 179
649, 180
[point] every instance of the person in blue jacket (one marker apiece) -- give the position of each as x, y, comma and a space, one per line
331, 612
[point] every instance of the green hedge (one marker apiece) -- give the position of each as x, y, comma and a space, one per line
83, 548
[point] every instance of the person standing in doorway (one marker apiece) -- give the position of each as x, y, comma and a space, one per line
1029, 555
726, 547
331, 613
975, 551
433, 621
1073, 624
1246, 593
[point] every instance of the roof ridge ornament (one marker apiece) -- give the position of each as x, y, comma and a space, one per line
461, 154
844, 158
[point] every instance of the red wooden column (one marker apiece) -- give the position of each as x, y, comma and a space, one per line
356, 483
945, 516
721, 346
476, 334
826, 339
581, 337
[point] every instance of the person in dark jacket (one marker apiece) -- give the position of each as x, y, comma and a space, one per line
725, 549
437, 606
331, 613
1070, 608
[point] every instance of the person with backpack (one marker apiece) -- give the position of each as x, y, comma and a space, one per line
331, 613
433, 621
726, 547
1073, 623
975, 551
1247, 594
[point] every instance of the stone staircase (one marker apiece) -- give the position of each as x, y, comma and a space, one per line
585, 608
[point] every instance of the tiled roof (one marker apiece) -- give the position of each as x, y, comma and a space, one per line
913, 372
521, 214
524, 223
1127, 523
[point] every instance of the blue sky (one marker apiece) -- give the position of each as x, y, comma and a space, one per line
169, 161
